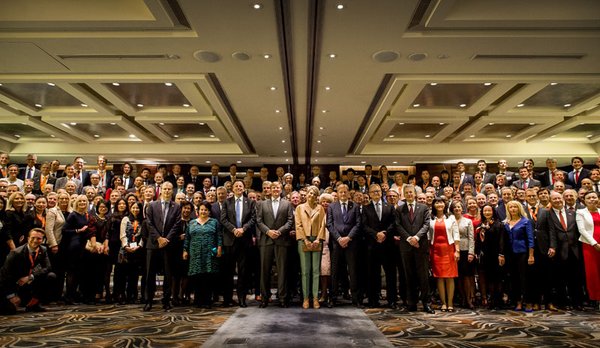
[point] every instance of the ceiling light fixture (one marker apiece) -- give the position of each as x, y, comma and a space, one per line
433, 84
116, 84
508, 135
553, 83
52, 136
332, 55
186, 105
140, 105
161, 123
416, 105
51, 84
17, 136
113, 123
321, 128
285, 151
280, 128
319, 141
84, 105
175, 136
273, 88
317, 151
132, 136
395, 162
238, 161
207, 161
340, 6
327, 88
520, 105
472, 136
487, 84
96, 135
491, 124
391, 135
324, 111
38, 105
589, 135
202, 123
277, 111
428, 136
401, 123
567, 105
363, 162
532, 123
283, 141
266, 56
73, 123
442, 123
212, 135
168, 84
463, 105
287, 160
257, 6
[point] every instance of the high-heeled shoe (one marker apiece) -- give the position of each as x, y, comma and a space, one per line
316, 304
305, 304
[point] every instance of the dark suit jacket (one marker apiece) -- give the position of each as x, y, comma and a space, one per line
563, 240
585, 173
22, 173
418, 227
532, 182
372, 225
541, 229
266, 220
228, 221
544, 177
468, 178
109, 177
338, 226
37, 182
18, 265
197, 182
85, 178
155, 227
510, 177
130, 183
352, 185
374, 180
489, 178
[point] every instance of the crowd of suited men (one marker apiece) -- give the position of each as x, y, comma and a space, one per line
61, 236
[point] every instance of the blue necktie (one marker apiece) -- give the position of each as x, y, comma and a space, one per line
238, 212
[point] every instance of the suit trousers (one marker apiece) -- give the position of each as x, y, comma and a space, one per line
155, 259
340, 259
267, 254
543, 282
519, 276
378, 256
570, 281
310, 268
416, 270
235, 256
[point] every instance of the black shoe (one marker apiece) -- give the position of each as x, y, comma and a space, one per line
243, 303
167, 306
412, 308
330, 304
393, 305
262, 305
428, 309
35, 308
284, 304
148, 307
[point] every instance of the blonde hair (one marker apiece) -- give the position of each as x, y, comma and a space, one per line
521, 212
77, 200
9, 203
314, 190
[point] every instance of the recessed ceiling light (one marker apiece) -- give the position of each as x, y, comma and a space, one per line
168, 84
327, 88
277, 111
257, 6
582, 123
520, 105
363, 162
175, 136
319, 141
202, 123
52, 136
508, 135
401, 123
0, 84
186, 105
324, 111
73, 123
161, 123
280, 128
553, 83
442, 123
589, 135
238, 161
395, 162
132, 135
283, 141
332, 55
140, 105
391, 135
416, 105
287, 160
38, 105
462, 105
17, 136
532, 123
273, 88
340, 6
433, 84
472, 136
317, 151
285, 151
84, 105
51, 84
96, 135
428, 136
113, 123
116, 84
321, 128
212, 135
207, 161
266, 56
552, 136
491, 124
567, 105
487, 84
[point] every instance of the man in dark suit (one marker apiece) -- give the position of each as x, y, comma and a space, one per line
379, 223
232, 173
487, 177
175, 173
127, 176
163, 223
351, 182
194, 178
214, 176
274, 219
40, 181
369, 177
414, 247
525, 181
104, 175
25, 275
238, 218
464, 177
503, 169
4, 159
578, 173
29, 171
564, 238
546, 178
343, 223
80, 173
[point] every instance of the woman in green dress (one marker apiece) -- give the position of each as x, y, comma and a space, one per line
202, 247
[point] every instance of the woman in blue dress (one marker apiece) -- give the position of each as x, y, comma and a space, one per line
202, 247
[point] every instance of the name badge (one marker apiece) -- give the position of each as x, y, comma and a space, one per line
133, 245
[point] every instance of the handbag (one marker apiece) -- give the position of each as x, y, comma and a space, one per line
306, 248
90, 247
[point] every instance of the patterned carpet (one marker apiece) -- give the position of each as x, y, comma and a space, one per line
128, 326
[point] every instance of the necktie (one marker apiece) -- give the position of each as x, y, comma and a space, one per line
411, 213
577, 177
344, 209
275, 207
43, 182
4, 172
571, 209
525, 184
215, 181
596, 187
562, 220
29, 173
165, 210
378, 210
238, 212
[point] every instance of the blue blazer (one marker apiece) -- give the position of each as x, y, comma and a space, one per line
520, 236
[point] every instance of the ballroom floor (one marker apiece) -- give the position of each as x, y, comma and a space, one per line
128, 326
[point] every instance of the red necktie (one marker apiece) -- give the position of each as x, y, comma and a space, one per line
562, 220
576, 177
411, 213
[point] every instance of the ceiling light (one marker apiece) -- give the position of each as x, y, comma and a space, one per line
319, 141
324, 111
462, 105
582, 123
401, 123
132, 136
472, 136
113, 123
433, 84
73, 123
567, 105
186, 105
52, 136
520, 105
332, 55
508, 135
212, 135
287, 160
17, 136
238, 161
23, 123
283, 141
140, 105
266, 56
317, 151
161, 123
51, 84
327, 88
116, 84
416, 105
589, 135
168, 84
487, 84
277, 111
280, 128
273, 88
175, 136
532, 123
553, 83
0, 84
38, 105
428, 136
321, 128
363, 162
391, 135
257, 6
395, 162
202, 123
442, 123
207, 161
84, 105
340, 6
96, 136
285, 151
491, 124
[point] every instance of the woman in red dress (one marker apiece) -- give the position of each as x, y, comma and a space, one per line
588, 222
445, 252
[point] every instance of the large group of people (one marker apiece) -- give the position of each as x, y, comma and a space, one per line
526, 240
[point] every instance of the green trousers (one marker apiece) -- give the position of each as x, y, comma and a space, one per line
310, 266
